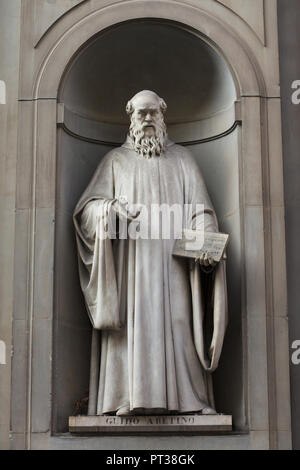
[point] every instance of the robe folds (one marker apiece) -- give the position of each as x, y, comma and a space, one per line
152, 347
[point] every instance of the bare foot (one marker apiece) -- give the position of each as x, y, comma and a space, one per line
208, 411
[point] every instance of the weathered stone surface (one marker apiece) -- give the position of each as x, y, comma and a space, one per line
251, 12
9, 76
48, 12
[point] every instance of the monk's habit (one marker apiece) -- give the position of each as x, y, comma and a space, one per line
158, 320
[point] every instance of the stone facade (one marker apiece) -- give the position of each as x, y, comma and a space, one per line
53, 35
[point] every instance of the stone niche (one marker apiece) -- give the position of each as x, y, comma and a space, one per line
216, 65
195, 80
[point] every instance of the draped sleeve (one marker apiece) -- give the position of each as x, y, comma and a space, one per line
92, 220
203, 217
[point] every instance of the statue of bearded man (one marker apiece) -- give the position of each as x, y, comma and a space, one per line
158, 320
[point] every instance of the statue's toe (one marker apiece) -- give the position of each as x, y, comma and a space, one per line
208, 411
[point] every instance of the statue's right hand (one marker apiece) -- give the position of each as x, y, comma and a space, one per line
124, 211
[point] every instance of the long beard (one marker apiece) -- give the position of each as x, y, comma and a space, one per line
148, 146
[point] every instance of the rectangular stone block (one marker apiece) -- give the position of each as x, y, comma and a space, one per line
150, 424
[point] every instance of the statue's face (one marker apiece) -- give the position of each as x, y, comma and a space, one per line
147, 115
147, 127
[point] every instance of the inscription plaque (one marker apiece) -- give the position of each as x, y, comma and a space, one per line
162, 423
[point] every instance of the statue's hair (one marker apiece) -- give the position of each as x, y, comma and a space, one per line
130, 105
148, 146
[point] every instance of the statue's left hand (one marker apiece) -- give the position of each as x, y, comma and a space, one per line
205, 260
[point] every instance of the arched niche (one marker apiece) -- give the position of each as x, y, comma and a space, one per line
197, 84
171, 59
57, 333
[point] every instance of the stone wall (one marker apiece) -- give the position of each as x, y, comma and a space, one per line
53, 35
9, 78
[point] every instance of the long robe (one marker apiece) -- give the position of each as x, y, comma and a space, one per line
152, 353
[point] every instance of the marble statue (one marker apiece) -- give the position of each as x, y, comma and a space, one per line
158, 321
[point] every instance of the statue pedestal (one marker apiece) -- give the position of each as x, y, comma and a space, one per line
179, 424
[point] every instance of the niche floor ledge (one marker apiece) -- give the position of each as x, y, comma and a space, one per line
150, 424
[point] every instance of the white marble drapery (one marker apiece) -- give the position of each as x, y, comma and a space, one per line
154, 312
